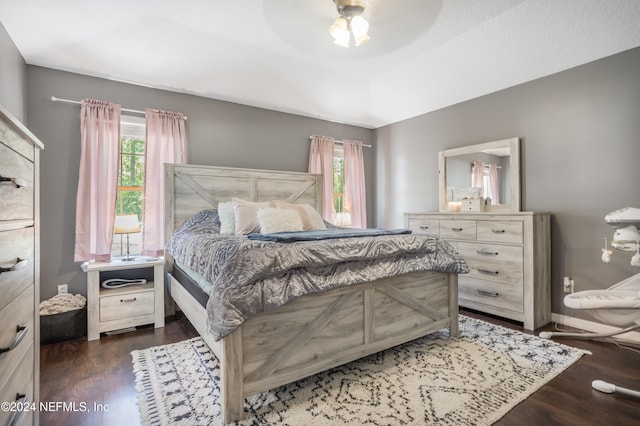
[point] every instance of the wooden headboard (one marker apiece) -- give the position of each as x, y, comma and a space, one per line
190, 189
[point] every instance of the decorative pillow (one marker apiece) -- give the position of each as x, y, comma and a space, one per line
314, 217
279, 220
246, 215
227, 218
311, 220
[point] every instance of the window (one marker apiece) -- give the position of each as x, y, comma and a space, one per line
338, 179
130, 180
342, 215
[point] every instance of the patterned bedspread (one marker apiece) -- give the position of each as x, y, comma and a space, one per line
250, 276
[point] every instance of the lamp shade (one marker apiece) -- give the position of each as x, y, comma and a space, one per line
126, 224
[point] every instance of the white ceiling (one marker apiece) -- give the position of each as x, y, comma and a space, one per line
277, 54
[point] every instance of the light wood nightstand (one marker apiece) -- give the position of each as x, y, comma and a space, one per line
124, 307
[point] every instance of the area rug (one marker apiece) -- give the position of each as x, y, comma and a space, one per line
474, 379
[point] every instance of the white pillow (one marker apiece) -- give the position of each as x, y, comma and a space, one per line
314, 218
279, 220
311, 220
227, 218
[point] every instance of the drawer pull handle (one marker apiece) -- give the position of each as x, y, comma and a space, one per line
20, 333
486, 271
17, 417
20, 263
487, 252
128, 300
456, 229
18, 182
488, 293
498, 231
424, 227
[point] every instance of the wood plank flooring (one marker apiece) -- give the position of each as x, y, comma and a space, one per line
99, 374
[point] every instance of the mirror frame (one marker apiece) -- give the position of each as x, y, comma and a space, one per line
513, 144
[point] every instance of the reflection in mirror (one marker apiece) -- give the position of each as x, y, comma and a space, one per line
487, 173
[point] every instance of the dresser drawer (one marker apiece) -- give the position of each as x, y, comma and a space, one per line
127, 305
16, 196
16, 328
15, 141
458, 229
17, 253
420, 225
473, 293
493, 262
20, 383
500, 231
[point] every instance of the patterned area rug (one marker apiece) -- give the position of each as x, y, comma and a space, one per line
474, 379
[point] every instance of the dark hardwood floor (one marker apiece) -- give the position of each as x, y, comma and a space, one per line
100, 373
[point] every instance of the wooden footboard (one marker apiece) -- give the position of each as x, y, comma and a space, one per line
317, 332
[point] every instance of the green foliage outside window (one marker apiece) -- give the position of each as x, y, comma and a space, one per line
130, 177
338, 184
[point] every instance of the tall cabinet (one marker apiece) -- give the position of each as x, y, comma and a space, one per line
20, 270
509, 260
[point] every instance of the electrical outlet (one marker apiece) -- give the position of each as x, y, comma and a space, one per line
567, 285
63, 288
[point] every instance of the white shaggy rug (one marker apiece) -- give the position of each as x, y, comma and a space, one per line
474, 379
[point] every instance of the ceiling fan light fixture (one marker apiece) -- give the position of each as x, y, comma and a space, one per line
349, 22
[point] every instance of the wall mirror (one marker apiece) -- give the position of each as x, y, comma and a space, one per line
487, 171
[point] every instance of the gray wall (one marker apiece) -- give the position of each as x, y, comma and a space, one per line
580, 133
219, 134
13, 72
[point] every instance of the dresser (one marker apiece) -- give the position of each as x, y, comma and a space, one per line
19, 273
509, 259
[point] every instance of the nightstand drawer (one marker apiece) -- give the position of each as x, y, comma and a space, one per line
16, 195
17, 254
127, 305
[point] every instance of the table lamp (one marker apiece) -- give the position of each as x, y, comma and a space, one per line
126, 224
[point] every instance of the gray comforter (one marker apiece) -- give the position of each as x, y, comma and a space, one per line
249, 276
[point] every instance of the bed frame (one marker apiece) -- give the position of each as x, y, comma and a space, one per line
312, 333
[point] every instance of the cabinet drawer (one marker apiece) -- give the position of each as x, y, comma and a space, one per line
493, 262
20, 383
17, 252
472, 292
126, 305
16, 327
500, 231
16, 197
421, 225
458, 229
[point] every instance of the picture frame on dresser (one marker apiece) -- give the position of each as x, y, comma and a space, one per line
20, 273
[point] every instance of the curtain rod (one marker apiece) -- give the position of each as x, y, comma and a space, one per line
69, 101
341, 143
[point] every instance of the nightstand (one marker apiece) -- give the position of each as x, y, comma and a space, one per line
119, 308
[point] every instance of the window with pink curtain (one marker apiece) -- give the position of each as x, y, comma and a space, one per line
354, 183
165, 142
321, 162
97, 180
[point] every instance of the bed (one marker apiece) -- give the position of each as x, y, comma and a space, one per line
310, 333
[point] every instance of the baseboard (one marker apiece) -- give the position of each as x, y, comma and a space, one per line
595, 327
